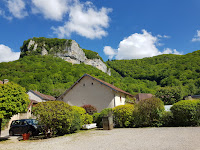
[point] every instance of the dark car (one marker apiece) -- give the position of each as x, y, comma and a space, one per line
25, 126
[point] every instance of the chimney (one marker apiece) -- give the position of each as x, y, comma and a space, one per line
5, 81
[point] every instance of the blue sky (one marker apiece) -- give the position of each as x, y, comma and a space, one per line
128, 29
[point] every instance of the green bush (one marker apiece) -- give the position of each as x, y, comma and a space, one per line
186, 113
123, 115
76, 122
56, 116
81, 111
167, 119
85, 118
97, 117
148, 112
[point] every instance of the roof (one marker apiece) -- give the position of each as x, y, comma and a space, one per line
114, 88
1, 82
43, 96
141, 96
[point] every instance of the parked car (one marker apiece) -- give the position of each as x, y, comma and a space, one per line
25, 126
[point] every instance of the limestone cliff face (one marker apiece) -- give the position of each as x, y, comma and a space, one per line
69, 51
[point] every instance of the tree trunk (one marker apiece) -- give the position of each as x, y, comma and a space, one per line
0, 126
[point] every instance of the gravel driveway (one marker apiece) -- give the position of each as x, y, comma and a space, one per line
182, 138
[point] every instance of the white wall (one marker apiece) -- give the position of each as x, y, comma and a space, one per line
93, 93
34, 97
119, 99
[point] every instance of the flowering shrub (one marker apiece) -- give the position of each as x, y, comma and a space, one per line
90, 109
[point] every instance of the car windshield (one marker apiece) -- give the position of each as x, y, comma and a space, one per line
32, 122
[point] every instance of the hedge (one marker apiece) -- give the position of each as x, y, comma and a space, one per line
148, 112
186, 113
123, 115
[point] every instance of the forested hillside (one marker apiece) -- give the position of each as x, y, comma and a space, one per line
52, 75
166, 70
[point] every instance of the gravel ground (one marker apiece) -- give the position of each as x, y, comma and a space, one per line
182, 138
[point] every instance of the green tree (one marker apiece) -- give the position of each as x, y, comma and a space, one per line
148, 112
170, 95
56, 116
13, 100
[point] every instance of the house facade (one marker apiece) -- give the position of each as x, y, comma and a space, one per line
93, 91
37, 97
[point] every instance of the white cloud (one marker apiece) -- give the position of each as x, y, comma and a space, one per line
6, 54
51, 9
196, 37
17, 8
85, 20
110, 51
171, 51
137, 46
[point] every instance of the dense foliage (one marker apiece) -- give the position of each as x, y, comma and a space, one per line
13, 100
169, 95
52, 45
186, 113
47, 74
84, 117
148, 112
56, 116
91, 54
165, 70
123, 115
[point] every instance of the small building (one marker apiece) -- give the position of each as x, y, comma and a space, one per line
191, 97
141, 96
93, 91
36, 97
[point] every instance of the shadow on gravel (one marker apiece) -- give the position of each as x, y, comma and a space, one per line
5, 138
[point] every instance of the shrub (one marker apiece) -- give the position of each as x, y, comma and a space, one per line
90, 109
148, 112
186, 113
167, 119
76, 122
56, 116
97, 117
123, 115
85, 118
81, 111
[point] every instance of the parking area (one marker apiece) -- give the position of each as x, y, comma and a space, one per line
184, 138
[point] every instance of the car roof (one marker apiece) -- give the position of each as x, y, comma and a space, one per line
23, 119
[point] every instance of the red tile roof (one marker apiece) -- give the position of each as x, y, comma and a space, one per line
102, 82
43, 96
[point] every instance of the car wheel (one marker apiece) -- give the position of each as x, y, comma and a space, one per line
11, 133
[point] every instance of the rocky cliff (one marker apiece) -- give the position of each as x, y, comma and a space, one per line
68, 50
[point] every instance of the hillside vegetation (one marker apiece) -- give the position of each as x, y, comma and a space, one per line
52, 75
165, 70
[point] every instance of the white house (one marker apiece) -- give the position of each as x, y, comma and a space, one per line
39, 97
93, 91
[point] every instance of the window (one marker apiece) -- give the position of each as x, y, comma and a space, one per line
120, 99
92, 83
